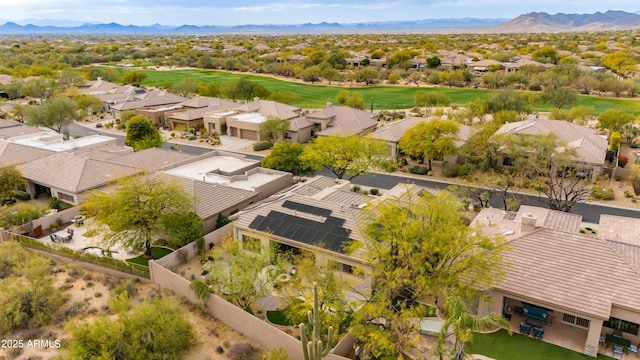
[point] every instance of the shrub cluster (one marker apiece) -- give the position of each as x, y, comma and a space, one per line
420, 170
262, 145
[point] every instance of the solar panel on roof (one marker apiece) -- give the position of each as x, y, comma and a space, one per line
309, 209
303, 230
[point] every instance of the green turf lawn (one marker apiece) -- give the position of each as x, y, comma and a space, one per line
156, 253
384, 97
501, 346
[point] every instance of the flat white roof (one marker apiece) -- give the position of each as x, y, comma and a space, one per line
198, 169
251, 118
204, 170
44, 142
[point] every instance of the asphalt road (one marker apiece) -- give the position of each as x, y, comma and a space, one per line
590, 212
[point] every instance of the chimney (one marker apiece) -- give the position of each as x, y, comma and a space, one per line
528, 222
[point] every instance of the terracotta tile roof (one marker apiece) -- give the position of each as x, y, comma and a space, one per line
348, 198
269, 108
315, 185
209, 199
301, 122
580, 273
344, 120
8, 130
12, 153
152, 159
72, 173
212, 199
590, 147
392, 132
630, 253
618, 228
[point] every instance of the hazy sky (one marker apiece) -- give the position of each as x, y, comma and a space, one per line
235, 12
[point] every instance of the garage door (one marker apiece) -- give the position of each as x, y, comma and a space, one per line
249, 134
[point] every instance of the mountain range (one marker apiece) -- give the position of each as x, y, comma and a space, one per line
531, 22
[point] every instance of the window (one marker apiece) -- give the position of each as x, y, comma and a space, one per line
507, 161
575, 320
345, 268
251, 244
625, 326
287, 136
212, 127
65, 197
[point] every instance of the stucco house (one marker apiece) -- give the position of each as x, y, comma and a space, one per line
342, 120
244, 120
318, 216
392, 133
190, 114
224, 183
590, 147
583, 286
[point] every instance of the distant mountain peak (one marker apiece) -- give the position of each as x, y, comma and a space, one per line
530, 22
544, 22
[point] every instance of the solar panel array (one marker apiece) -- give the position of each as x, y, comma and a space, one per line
309, 209
329, 234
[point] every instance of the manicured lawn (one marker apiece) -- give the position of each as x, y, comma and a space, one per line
501, 346
384, 97
156, 253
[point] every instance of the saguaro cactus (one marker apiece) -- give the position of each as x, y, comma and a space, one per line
312, 350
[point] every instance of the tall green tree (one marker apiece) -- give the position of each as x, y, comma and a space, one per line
430, 140
418, 245
351, 156
547, 165
88, 104
614, 120
54, 113
248, 274
285, 156
275, 127
137, 210
559, 96
10, 179
463, 323
141, 134
134, 78
244, 89
351, 99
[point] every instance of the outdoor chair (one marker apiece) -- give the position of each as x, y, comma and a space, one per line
617, 349
53, 238
538, 332
525, 329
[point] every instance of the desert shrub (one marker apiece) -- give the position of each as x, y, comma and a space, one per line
54, 203
22, 195
600, 193
365, 192
449, 170
355, 188
243, 351
192, 137
420, 170
374, 191
262, 145
389, 166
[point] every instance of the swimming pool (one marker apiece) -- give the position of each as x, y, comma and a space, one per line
97, 251
430, 326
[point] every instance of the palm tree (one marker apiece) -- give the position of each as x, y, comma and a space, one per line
463, 323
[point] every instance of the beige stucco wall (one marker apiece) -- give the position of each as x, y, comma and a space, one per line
259, 331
